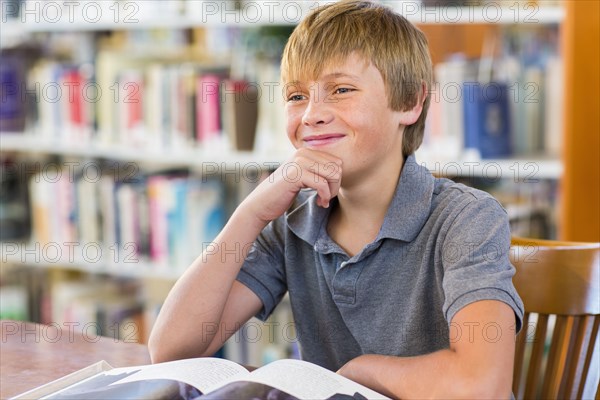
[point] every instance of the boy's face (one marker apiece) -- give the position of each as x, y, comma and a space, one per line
346, 113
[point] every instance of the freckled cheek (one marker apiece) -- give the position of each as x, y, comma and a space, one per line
370, 137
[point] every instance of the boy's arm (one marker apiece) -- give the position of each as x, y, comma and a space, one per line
478, 365
191, 317
207, 305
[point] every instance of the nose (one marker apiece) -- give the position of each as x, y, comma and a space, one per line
317, 112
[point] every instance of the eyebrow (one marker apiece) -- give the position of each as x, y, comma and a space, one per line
331, 76
337, 75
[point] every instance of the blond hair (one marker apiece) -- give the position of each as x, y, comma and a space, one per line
329, 34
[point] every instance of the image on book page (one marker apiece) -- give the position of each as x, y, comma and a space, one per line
149, 389
258, 391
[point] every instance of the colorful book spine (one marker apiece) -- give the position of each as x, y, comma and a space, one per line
130, 108
158, 207
207, 108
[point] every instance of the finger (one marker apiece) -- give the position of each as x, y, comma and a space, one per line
318, 183
329, 168
331, 171
318, 168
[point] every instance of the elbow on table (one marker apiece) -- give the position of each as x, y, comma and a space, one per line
162, 349
157, 349
160, 352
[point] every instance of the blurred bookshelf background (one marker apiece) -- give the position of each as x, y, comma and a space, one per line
130, 130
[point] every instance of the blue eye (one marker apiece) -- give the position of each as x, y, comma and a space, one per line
296, 97
343, 90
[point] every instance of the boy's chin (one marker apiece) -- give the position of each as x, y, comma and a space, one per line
332, 149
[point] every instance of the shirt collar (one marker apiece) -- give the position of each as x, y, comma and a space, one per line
404, 219
307, 218
411, 203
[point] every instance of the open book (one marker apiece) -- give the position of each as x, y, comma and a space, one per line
203, 378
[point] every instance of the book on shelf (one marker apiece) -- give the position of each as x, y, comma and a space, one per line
164, 218
15, 218
445, 125
101, 307
240, 112
487, 119
96, 305
109, 66
207, 107
554, 98
130, 118
13, 302
529, 134
145, 102
64, 99
23, 294
271, 123
518, 113
12, 80
507, 103
132, 93
203, 378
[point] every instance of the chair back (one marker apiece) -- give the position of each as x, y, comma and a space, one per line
557, 351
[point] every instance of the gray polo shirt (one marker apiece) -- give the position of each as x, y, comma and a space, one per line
442, 246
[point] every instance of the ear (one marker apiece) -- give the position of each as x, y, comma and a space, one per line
410, 116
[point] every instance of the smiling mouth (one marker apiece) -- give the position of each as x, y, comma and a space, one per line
322, 140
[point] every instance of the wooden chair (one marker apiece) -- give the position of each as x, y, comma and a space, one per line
556, 351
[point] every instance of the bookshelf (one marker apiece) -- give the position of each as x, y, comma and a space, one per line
199, 18
193, 158
115, 262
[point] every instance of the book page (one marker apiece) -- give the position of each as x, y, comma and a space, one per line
304, 380
193, 376
202, 373
65, 381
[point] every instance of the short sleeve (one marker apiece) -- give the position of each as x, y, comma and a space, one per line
263, 271
475, 256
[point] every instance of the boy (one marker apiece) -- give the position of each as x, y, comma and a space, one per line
397, 280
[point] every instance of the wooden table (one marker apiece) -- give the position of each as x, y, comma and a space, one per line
33, 354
